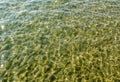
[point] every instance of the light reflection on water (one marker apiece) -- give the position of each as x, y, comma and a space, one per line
20, 11
24, 10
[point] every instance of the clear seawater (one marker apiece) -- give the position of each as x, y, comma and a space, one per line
24, 11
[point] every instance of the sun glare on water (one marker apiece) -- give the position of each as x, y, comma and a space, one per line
2, 27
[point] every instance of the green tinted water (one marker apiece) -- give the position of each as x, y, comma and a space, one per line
60, 40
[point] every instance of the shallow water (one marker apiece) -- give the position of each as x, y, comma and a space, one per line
24, 11
71, 32
19, 10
